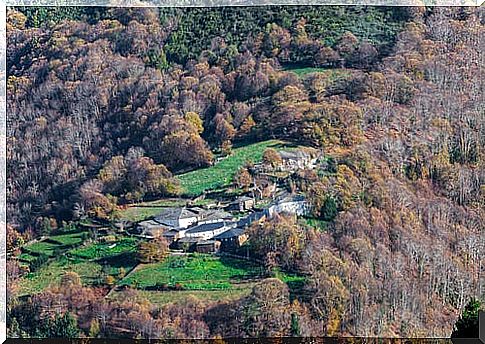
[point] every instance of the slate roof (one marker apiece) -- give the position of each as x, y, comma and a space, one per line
150, 224
298, 154
231, 233
212, 215
197, 210
206, 227
173, 214
250, 218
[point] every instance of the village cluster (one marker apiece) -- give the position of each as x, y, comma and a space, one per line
222, 227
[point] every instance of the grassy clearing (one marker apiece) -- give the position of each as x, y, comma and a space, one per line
136, 213
92, 263
221, 174
51, 274
306, 70
144, 210
69, 239
105, 250
334, 74
26, 257
289, 278
321, 225
53, 243
42, 247
195, 272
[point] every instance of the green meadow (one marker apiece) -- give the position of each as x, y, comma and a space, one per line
195, 272
222, 173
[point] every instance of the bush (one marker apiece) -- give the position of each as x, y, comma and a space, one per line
153, 251
38, 262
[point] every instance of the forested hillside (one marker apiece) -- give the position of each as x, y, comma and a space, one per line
106, 107
84, 92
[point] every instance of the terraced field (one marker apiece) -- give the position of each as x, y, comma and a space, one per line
105, 250
195, 272
42, 247
51, 273
93, 263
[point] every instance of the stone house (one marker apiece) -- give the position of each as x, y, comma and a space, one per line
296, 160
215, 216
287, 203
207, 246
150, 229
243, 203
207, 231
187, 244
232, 239
198, 245
250, 218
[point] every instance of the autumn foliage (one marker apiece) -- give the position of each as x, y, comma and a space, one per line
105, 112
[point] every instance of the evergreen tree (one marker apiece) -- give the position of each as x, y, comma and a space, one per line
329, 209
467, 325
62, 326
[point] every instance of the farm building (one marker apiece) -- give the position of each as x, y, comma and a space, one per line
216, 215
242, 203
232, 239
198, 245
187, 244
172, 235
177, 217
296, 160
208, 230
250, 218
150, 229
287, 203
207, 246
198, 211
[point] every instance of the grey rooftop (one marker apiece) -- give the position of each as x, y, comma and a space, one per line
174, 214
207, 227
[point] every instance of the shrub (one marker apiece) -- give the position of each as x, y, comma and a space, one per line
38, 262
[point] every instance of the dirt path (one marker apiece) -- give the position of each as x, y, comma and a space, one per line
116, 287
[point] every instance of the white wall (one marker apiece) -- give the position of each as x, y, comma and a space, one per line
208, 234
184, 223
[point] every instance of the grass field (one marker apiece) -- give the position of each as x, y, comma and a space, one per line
26, 257
92, 263
51, 274
334, 74
42, 247
221, 174
306, 70
105, 250
144, 210
54, 242
195, 272
68, 239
